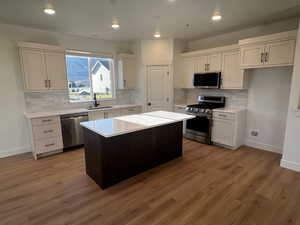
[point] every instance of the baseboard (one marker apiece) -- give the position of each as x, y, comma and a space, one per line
263, 146
290, 165
14, 151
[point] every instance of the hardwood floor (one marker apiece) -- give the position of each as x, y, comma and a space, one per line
208, 186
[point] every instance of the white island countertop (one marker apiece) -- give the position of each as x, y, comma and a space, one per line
127, 124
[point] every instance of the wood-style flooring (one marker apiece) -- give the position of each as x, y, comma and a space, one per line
208, 186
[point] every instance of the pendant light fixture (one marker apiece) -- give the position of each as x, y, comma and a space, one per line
157, 34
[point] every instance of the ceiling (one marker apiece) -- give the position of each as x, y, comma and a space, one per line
140, 18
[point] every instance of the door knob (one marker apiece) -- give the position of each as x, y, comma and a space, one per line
149, 103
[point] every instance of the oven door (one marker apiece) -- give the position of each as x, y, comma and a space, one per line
199, 129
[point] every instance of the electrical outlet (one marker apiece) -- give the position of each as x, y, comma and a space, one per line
254, 133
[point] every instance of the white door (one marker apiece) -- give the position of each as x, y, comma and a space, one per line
252, 56
200, 64
56, 70
232, 75
214, 62
33, 63
280, 53
223, 132
158, 88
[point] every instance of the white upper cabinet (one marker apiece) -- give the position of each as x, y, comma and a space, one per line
200, 65
127, 67
252, 56
33, 68
188, 69
56, 70
280, 53
268, 51
43, 67
214, 63
208, 63
233, 77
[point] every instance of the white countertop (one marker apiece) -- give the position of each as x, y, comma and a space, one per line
71, 111
127, 124
229, 110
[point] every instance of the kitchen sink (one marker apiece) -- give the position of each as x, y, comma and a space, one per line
99, 107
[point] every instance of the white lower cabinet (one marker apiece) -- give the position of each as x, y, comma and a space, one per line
229, 128
46, 136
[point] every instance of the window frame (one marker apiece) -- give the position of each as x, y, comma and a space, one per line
94, 55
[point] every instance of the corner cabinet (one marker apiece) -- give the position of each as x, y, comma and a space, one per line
268, 51
43, 67
127, 68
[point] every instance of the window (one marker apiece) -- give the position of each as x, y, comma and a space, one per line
88, 76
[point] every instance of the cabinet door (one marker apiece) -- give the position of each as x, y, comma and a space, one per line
112, 113
127, 73
280, 53
188, 70
96, 115
251, 56
223, 132
56, 70
232, 75
200, 64
214, 62
34, 70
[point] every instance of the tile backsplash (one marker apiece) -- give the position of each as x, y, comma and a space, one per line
234, 98
39, 102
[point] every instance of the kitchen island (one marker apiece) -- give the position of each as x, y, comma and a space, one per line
122, 147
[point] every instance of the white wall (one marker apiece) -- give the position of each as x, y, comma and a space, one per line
267, 107
234, 37
291, 150
13, 130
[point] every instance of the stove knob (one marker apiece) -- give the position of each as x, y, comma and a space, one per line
208, 111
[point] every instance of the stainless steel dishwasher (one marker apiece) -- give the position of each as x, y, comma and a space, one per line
71, 129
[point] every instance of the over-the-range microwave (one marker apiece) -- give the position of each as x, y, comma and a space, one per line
207, 80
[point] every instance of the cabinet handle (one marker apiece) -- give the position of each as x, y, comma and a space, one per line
48, 145
261, 57
48, 131
222, 115
266, 57
46, 83
124, 83
48, 120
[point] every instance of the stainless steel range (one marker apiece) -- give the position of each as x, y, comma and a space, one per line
199, 128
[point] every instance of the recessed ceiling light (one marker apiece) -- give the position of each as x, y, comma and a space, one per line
157, 35
115, 25
216, 17
49, 9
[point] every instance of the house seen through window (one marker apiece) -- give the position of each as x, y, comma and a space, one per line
88, 76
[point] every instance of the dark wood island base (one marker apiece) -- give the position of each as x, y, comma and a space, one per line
110, 160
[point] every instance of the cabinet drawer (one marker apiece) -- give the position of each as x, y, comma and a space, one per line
224, 116
45, 120
46, 131
130, 111
48, 145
